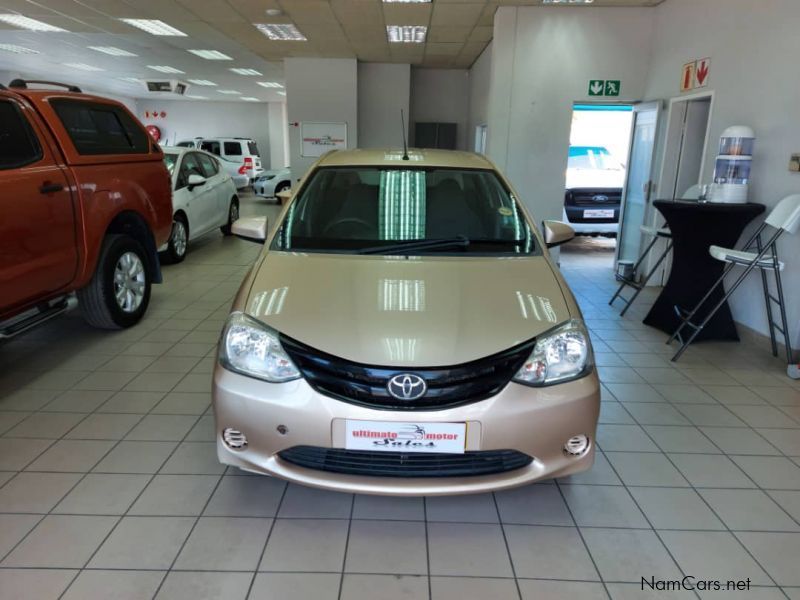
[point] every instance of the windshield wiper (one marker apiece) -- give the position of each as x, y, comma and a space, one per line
411, 245
497, 241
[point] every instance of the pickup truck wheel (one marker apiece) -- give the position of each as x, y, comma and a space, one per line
233, 215
178, 240
118, 294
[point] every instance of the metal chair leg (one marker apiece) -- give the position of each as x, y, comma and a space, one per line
699, 305
635, 267
782, 305
768, 301
647, 278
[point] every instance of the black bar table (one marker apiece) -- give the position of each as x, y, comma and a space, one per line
695, 227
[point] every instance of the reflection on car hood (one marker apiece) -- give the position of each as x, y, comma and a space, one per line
394, 311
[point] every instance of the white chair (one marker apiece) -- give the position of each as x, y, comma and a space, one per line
693, 193
756, 254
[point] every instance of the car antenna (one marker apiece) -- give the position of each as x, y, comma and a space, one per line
405, 145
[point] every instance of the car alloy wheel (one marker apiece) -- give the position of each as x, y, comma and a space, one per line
129, 282
179, 237
234, 213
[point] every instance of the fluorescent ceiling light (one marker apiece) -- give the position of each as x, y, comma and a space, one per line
154, 26
229, 92
129, 79
198, 97
240, 71
281, 31
27, 23
111, 51
406, 1
83, 66
281, 93
406, 33
14, 49
210, 54
250, 99
164, 69
201, 82
269, 84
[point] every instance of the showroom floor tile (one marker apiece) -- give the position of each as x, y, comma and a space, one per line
109, 477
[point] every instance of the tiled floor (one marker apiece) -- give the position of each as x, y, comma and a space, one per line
110, 488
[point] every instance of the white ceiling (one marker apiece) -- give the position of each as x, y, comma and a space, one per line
458, 31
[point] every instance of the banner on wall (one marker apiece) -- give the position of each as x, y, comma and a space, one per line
319, 138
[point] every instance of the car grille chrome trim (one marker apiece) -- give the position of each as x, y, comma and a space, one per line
400, 464
366, 385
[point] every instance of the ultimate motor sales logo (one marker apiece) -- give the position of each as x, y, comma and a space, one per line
405, 436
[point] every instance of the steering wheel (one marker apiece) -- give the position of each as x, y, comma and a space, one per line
347, 221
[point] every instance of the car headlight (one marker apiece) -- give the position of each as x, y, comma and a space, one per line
562, 354
251, 348
266, 177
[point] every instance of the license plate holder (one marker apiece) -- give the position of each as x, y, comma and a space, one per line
393, 436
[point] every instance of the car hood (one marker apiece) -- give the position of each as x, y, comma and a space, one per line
412, 312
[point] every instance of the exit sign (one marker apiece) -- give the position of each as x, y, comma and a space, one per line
605, 87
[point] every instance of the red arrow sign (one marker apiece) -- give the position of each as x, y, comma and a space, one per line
702, 71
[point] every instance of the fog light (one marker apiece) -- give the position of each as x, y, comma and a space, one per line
234, 439
577, 445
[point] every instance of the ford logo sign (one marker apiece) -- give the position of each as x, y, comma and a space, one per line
406, 386
600, 198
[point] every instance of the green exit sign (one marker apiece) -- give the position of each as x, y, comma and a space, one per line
605, 87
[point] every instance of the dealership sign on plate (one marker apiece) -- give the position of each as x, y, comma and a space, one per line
390, 436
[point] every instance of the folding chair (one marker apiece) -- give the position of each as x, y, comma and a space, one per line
785, 217
693, 193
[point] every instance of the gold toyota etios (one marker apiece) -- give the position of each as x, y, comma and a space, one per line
404, 331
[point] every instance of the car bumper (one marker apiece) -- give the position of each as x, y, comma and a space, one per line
575, 219
534, 421
265, 189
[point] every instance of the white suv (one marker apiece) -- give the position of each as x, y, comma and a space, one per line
243, 151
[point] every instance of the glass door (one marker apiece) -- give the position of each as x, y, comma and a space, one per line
638, 185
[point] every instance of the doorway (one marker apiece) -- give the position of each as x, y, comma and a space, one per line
685, 144
595, 177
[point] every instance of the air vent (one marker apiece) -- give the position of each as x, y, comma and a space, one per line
166, 86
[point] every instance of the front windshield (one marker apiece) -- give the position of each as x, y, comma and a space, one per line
363, 209
594, 158
170, 160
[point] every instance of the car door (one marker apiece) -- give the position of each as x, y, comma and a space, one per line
201, 200
217, 182
38, 247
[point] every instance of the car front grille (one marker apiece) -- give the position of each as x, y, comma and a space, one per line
366, 385
399, 464
594, 197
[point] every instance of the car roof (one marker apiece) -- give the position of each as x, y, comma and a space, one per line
581, 150
393, 157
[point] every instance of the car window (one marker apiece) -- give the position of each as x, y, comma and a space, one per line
352, 209
185, 144
585, 157
18, 143
212, 147
189, 166
208, 164
96, 128
253, 148
233, 149
169, 161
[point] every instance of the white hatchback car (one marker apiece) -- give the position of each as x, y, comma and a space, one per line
203, 198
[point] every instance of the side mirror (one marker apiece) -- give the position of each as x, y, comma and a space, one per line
194, 180
284, 196
557, 233
252, 229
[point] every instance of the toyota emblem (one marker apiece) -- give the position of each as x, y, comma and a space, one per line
407, 386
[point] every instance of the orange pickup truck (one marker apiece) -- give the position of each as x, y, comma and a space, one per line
85, 203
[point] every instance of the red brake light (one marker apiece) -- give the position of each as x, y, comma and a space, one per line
248, 161
243, 169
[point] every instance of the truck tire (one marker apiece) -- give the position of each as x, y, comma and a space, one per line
119, 292
178, 240
233, 215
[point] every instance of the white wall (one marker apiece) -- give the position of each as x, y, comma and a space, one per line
278, 136
187, 119
754, 76
321, 90
480, 75
441, 96
542, 61
383, 91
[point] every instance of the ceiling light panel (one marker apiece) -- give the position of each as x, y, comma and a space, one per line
409, 34
14, 49
164, 69
111, 51
198, 97
281, 31
154, 26
248, 72
202, 82
229, 92
27, 23
83, 67
129, 79
269, 84
211, 54
250, 99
